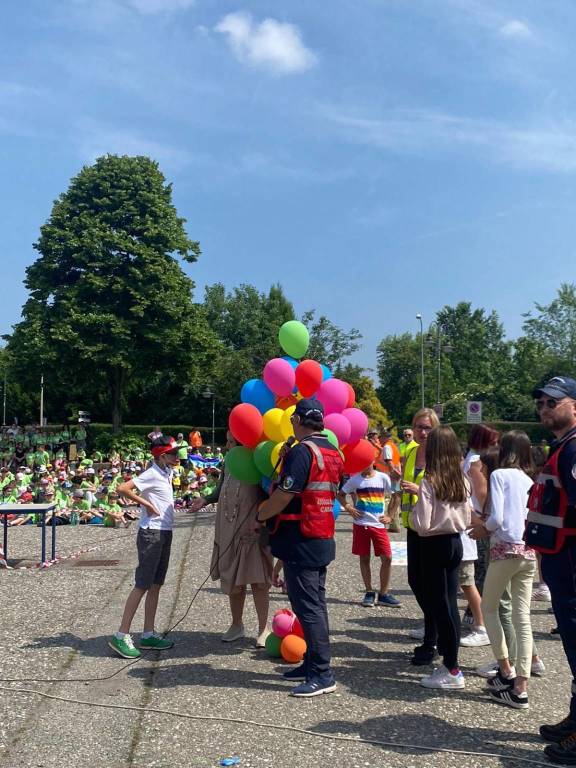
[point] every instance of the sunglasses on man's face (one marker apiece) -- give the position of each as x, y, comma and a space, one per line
547, 403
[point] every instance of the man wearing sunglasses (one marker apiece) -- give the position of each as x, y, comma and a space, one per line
551, 530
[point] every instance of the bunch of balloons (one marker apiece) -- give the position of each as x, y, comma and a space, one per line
261, 423
286, 639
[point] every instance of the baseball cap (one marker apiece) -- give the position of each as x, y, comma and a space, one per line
202, 479
310, 408
78, 493
557, 387
163, 445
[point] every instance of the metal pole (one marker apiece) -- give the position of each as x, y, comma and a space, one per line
41, 401
419, 317
4, 401
438, 353
213, 419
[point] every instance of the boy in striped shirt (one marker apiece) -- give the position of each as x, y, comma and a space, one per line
368, 490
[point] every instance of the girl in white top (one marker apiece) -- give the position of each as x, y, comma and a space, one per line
512, 565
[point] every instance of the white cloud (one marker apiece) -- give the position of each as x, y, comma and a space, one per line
270, 44
149, 7
516, 29
550, 147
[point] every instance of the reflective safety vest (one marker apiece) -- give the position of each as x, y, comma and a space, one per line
410, 499
546, 529
316, 516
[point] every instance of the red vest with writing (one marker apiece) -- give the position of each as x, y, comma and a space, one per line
316, 517
546, 529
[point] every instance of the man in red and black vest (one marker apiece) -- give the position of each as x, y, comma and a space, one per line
302, 536
551, 530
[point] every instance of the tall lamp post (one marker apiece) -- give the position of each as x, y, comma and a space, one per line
4, 399
41, 401
419, 317
208, 392
440, 348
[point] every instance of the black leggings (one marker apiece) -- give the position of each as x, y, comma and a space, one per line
440, 557
416, 580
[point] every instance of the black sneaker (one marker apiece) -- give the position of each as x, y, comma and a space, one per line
554, 631
501, 683
423, 655
369, 600
559, 732
313, 688
511, 699
563, 753
296, 674
388, 600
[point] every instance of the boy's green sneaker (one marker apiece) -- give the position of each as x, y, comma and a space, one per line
124, 647
156, 642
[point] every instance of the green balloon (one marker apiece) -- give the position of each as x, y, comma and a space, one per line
262, 460
331, 437
294, 338
272, 645
240, 464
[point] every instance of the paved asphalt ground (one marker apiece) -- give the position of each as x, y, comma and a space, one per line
55, 624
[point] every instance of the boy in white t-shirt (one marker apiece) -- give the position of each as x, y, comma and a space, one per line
368, 489
156, 500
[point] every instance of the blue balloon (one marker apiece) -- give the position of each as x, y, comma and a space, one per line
326, 372
336, 509
266, 484
293, 363
255, 392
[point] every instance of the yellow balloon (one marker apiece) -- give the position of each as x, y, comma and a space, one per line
273, 424
286, 424
274, 455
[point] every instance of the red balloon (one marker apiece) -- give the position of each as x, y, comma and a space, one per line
309, 375
245, 423
358, 456
351, 395
297, 629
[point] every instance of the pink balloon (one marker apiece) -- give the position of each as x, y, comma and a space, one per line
358, 423
340, 425
282, 624
279, 376
333, 394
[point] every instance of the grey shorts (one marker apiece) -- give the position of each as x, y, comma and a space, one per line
153, 557
466, 573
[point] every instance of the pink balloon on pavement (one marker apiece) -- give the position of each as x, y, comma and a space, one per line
358, 423
279, 376
340, 425
282, 624
333, 394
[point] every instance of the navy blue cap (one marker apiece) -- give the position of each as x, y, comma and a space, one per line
310, 409
558, 387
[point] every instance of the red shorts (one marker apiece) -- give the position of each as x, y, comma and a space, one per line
362, 535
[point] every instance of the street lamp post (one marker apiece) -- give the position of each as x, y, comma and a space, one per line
41, 401
208, 392
4, 400
419, 317
440, 348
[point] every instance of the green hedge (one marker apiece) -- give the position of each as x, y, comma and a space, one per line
100, 435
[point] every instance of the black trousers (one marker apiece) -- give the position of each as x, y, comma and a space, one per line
416, 578
307, 593
440, 557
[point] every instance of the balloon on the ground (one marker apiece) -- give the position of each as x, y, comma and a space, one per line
272, 421
336, 509
331, 437
294, 338
339, 425
245, 423
262, 457
282, 624
285, 424
297, 628
240, 464
309, 375
358, 456
255, 392
326, 372
333, 394
283, 610
293, 649
358, 423
279, 376
351, 395
272, 645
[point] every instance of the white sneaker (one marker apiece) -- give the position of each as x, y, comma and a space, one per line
538, 668
233, 633
541, 593
417, 634
477, 638
488, 670
261, 639
441, 678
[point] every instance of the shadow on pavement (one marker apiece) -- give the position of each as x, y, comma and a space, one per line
207, 676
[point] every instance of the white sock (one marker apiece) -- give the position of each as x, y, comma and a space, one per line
146, 635
480, 628
121, 635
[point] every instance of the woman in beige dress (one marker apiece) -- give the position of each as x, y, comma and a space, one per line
240, 556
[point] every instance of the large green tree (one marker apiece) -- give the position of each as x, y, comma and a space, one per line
110, 308
553, 328
330, 344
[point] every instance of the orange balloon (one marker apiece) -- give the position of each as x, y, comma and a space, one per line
286, 402
293, 649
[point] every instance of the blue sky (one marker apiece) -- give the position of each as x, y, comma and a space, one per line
378, 158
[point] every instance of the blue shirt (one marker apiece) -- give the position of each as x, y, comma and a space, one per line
288, 543
567, 472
